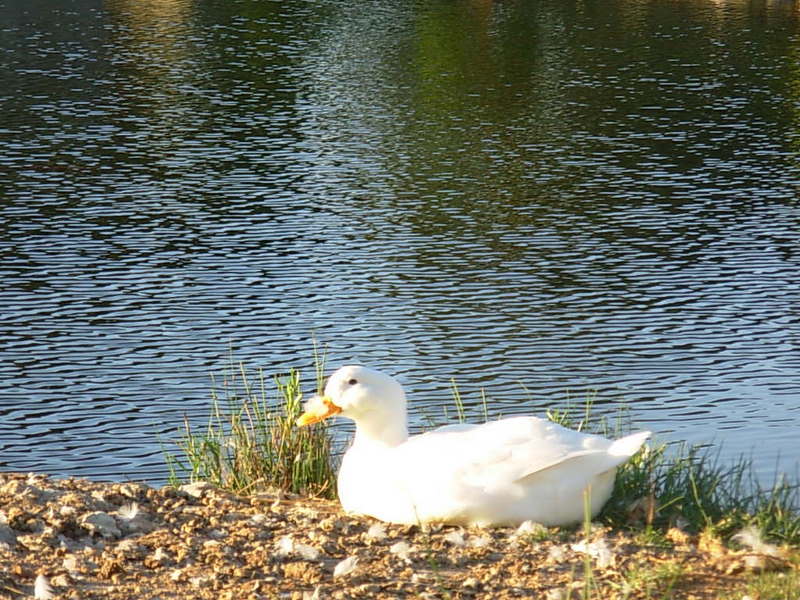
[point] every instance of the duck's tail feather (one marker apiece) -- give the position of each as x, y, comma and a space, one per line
629, 445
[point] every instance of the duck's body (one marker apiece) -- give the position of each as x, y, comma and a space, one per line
498, 473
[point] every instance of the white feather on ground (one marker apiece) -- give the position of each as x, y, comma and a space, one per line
42, 589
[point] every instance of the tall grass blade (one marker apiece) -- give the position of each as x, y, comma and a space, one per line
250, 442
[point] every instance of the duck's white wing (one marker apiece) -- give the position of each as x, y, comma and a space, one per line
494, 455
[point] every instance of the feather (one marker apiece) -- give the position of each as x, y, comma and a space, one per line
345, 567
42, 589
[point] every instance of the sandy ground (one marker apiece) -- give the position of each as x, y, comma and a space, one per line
84, 539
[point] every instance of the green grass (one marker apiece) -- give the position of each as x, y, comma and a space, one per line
651, 581
688, 486
781, 585
666, 485
251, 443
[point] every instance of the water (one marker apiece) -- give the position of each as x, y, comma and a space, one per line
543, 200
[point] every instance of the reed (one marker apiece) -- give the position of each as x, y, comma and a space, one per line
251, 442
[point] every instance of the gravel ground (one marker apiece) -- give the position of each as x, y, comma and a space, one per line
75, 538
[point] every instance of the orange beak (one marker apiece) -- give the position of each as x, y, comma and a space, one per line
317, 409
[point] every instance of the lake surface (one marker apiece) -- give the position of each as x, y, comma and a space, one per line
546, 200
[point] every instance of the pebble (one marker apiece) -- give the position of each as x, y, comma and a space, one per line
196, 489
7, 535
102, 524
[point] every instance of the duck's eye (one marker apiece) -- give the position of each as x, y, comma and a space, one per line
352, 382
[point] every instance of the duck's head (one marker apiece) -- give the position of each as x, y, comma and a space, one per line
374, 400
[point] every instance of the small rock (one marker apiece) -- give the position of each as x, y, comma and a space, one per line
456, 538
557, 554
7, 535
259, 519
432, 527
402, 549
132, 490
196, 489
377, 532
130, 549
529, 529
480, 541
111, 567
306, 552
160, 555
201, 581
598, 550
102, 524
285, 545
70, 563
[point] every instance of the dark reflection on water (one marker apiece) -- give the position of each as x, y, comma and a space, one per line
545, 200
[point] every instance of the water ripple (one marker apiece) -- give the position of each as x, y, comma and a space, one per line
584, 214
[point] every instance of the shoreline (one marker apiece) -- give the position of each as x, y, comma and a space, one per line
92, 540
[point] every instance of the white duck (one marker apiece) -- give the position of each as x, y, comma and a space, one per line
498, 473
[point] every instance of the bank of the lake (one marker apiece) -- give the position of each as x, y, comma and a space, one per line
82, 539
